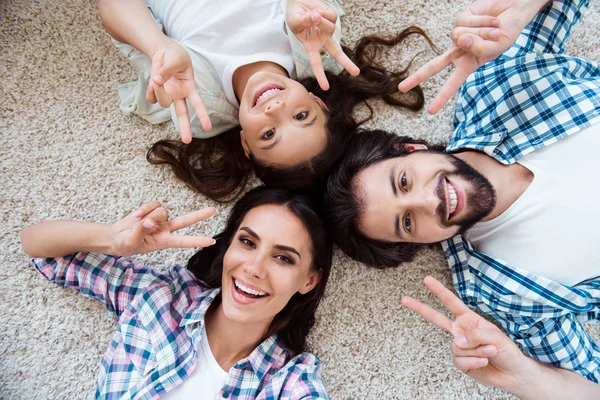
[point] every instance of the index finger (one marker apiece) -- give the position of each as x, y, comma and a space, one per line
200, 108
185, 242
317, 67
428, 313
183, 117
190, 219
338, 54
449, 299
429, 69
451, 86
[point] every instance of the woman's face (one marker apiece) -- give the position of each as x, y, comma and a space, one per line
282, 123
268, 261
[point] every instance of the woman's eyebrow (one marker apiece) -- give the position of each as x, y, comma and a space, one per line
277, 246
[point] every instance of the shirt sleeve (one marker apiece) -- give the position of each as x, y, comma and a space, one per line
303, 377
115, 281
564, 343
550, 29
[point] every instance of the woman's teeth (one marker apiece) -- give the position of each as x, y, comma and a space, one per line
453, 198
248, 290
266, 94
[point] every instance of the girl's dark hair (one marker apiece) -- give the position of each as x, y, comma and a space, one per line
293, 323
218, 168
344, 205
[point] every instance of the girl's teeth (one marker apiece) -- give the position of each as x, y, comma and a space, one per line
266, 94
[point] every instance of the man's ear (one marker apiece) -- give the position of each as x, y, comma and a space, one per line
245, 144
319, 101
313, 279
408, 147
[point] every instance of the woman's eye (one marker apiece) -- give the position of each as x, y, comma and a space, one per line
407, 223
247, 242
285, 259
404, 182
268, 135
301, 116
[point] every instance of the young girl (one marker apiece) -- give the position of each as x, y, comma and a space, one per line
237, 65
233, 324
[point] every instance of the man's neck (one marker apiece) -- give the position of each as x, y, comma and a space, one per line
509, 181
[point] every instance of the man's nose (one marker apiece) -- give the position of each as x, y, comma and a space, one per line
425, 201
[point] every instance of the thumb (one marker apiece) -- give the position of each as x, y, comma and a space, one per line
164, 67
308, 20
139, 232
474, 44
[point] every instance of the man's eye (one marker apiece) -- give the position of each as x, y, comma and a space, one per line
301, 116
268, 135
404, 182
407, 223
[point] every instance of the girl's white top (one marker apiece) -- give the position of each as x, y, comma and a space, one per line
227, 37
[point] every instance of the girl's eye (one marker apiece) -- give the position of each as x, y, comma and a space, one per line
247, 242
407, 223
404, 182
268, 135
301, 116
285, 259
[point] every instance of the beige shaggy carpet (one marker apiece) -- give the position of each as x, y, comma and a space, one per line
67, 152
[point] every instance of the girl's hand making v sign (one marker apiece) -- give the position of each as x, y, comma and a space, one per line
313, 23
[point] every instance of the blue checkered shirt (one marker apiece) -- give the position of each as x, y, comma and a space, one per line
530, 97
160, 321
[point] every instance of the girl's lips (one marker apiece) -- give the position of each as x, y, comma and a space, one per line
460, 202
263, 89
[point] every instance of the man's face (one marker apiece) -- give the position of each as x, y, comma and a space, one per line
424, 197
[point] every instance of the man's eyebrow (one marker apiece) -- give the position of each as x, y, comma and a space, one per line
270, 146
277, 246
393, 180
397, 230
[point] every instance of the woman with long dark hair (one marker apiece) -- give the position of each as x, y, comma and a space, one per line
233, 324
254, 75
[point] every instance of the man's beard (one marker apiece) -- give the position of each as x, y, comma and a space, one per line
480, 200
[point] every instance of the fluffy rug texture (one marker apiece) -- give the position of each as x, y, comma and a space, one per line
67, 152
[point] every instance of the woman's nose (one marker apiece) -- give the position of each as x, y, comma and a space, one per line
274, 107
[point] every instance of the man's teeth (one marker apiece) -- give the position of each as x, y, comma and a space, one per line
266, 94
453, 198
248, 290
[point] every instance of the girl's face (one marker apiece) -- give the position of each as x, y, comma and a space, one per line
282, 123
268, 261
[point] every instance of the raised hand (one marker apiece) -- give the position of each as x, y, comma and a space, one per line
480, 349
172, 81
481, 33
149, 228
313, 23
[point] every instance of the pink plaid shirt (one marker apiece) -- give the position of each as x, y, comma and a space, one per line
160, 318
